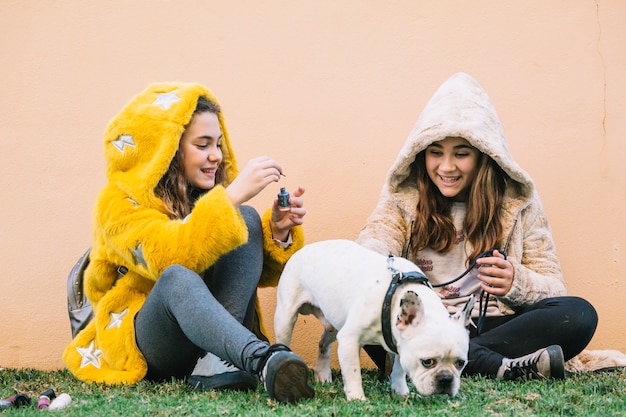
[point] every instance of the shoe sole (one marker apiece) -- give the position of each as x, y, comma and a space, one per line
557, 362
227, 381
291, 381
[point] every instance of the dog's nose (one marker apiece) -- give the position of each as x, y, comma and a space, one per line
444, 381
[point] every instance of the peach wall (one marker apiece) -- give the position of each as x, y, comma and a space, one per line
328, 88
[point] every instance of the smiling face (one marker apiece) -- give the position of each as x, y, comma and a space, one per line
451, 165
200, 148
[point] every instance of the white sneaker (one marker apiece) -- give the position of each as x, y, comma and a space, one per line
210, 365
213, 373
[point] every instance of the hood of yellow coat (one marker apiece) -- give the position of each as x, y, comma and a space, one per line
142, 140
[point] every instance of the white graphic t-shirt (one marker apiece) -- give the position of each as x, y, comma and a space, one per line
444, 267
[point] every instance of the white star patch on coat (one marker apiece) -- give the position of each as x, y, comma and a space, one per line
122, 142
116, 319
138, 255
165, 100
91, 355
135, 204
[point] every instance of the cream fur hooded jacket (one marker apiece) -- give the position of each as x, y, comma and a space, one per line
132, 230
461, 108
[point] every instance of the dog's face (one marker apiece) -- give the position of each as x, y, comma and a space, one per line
432, 348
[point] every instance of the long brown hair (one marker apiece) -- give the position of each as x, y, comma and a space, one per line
173, 188
434, 227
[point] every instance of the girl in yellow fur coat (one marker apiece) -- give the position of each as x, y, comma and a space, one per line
177, 258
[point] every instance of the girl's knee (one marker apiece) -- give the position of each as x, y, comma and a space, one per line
249, 212
178, 276
589, 313
174, 271
582, 317
252, 220
584, 309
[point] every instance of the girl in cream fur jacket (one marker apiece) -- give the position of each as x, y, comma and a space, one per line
454, 192
176, 258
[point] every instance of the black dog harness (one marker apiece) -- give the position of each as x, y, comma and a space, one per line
398, 278
415, 276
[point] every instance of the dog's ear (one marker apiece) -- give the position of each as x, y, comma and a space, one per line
411, 310
466, 313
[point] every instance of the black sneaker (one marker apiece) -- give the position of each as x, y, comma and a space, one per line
544, 363
285, 376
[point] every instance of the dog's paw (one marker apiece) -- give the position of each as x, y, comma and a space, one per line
355, 396
401, 388
325, 377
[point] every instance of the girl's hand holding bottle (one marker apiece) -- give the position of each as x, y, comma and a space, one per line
283, 220
257, 174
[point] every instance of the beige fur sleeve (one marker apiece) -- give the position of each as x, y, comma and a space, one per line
533, 254
388, 228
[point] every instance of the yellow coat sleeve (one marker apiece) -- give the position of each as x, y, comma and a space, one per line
276, 257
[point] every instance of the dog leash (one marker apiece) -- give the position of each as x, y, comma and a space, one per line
397, 278
482, 309
416, 276
467, 271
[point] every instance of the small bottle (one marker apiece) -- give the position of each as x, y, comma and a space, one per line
45, 398
17, 400
62, 401
44, 402
283, 200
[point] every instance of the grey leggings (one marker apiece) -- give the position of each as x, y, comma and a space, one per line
186, 315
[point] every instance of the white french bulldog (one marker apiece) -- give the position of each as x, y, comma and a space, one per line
344, 285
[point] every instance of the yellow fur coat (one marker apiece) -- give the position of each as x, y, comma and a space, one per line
132, 230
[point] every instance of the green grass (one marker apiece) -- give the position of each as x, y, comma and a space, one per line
597, 394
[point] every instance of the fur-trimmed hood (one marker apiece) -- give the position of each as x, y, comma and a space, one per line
459, 108
141, 141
